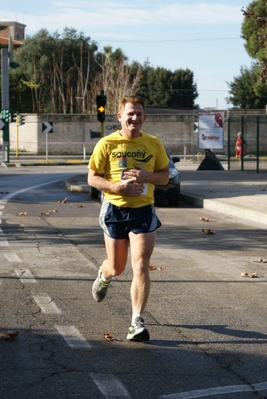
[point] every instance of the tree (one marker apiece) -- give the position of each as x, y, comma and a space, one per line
254, 31
184, 89
163, 88
116, 77
244, 90
56, 69
63, 73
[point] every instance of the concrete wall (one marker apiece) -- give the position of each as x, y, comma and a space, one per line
71, 133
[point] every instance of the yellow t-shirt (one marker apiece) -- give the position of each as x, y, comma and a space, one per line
113, 153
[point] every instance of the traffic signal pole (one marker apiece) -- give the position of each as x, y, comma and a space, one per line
102, 129
17, 135
5, 99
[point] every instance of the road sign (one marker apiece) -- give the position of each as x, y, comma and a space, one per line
47, 127
2, 124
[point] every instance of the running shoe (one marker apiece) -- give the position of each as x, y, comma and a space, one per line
100, 287
138, 332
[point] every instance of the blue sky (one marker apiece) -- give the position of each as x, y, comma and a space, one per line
203, 36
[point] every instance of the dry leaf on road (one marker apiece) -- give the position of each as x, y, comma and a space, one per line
108, 336
204, 219
155, 268
250, 275
64, 201
261, 260
43, 213
207, 231
9, 335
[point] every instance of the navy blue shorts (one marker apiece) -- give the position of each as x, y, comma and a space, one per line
117, 222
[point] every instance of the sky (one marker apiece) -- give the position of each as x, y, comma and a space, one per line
203, 36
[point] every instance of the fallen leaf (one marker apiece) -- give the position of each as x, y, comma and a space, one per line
155, 268
207, 231
22, 213
261, 260
79, 206
48, 212
250, 275
9, 335
108, 336
64, 201
204, 219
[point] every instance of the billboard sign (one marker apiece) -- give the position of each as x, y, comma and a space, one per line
210, 130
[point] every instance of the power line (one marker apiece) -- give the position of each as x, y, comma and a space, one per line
171, 40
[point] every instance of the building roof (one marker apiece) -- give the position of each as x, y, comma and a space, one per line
4, 42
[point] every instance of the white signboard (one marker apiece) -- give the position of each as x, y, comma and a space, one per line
210, 130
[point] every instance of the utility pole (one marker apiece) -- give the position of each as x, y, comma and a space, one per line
5, 100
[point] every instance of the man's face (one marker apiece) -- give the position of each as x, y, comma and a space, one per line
132, 118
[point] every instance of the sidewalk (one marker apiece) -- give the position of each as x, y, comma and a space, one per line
236, 193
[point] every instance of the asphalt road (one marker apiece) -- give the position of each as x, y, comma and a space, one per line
207, 322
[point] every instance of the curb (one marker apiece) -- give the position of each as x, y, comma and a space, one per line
237, 211
192, 200
48, 163
77, 184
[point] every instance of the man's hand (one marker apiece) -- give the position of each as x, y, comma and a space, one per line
140, 174
130, 187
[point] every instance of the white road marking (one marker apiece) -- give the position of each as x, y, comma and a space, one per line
73, 337
261, 386
204, 393
110, 386
25, 276
12, 258
3, 241
46, 304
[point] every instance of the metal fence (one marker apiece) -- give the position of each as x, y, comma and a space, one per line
254, 132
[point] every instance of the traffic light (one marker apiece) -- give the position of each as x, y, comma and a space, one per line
101, 101
13, 116
21, 119
5, 115
13, 64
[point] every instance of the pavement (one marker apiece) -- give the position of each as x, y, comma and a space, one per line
237, 193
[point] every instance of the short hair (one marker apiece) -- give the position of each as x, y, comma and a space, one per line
132, 100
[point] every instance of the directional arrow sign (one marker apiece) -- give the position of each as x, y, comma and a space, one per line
2, 124
195, 127
47, 127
